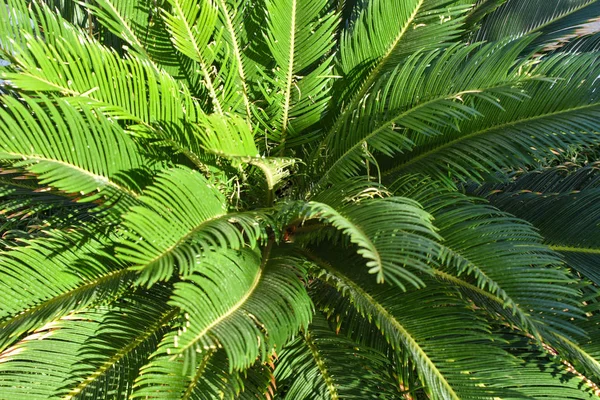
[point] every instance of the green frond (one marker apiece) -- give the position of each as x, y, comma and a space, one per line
519, 18
164, 378
429, 93
540, 375
501, 254
68, 149
15, 23
135, 27
230, 137
316, 366
231, 15
24, 205
394, 235
47, 279
384, 33
465, 374
562, 203
30, 369
182, 217
554, 118
129, 21
266, 304
192, 26
129, 332
299, 37
480, 10
129, 89
429, 324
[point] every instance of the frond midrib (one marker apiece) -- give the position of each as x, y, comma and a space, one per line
114, 359
205, 73
57, 299
426, 154
373, 74
238, 56
106, 181
198, 375
550, 21
320, 362
575, 249
236, 306
289, 78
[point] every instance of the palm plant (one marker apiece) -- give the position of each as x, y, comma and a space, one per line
299, 199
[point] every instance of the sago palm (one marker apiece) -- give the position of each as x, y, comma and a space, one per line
299, 199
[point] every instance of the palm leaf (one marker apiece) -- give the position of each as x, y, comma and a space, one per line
394, 235
67, 149
299, 37
266, 301
182, 217
129, 89
120, 346
532, 16
383, 34
30, 369
561, 203
43, 281
426, 324
518, 134
164, 378
457, 372
427, 94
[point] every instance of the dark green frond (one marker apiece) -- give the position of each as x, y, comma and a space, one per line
128, 333
562, 202
518, 18
429, 93
321, 364
554, 118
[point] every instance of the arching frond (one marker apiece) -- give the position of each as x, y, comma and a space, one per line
30, 369
393, 234
129, 89
425, 323
48, 279
15, 23
129, 332
562, 203
415, 324
164, 378
555, 117
518, 18
266, 304
502, 255
75, 151
183, 216
425, 95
